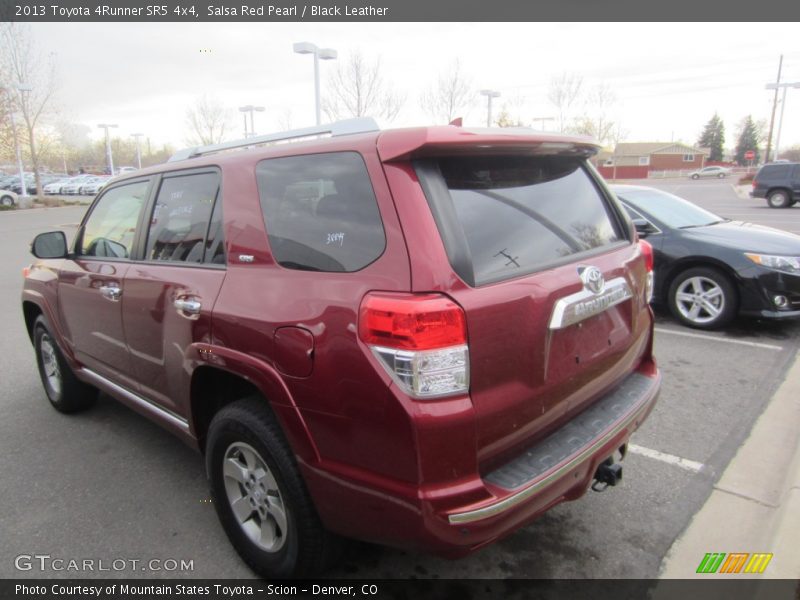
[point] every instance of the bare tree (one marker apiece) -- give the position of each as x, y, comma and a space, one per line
595, 121
21, 66
357, 89
208, 121
449, 95
563, 94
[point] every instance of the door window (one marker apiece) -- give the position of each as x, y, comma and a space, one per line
110, 230
179, 225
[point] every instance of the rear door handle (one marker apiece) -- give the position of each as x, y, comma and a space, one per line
112, 291
188, 306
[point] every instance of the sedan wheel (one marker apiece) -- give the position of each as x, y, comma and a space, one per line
7, 201
702, 298
695, 176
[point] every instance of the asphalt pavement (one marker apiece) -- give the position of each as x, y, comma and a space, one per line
108, 484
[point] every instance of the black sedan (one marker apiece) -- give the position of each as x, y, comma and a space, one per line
708, 269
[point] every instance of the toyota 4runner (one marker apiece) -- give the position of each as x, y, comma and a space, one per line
423, 338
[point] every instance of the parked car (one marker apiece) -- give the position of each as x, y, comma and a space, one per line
424, 337
708, 269
779, 183
719, 172
125, 170
72, 186
93, 186
7, 198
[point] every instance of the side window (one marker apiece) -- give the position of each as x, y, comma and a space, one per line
180, 221
111, 226
320, 212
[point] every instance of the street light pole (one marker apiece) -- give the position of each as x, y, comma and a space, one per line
319, 53
250, 109
774, 105
542, 119
489, 95
20, 88
109, 158
784, 86
136, 136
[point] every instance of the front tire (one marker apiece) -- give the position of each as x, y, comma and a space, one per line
695, 176
260, 496
6, 200
703, 298
779, 199
66, 392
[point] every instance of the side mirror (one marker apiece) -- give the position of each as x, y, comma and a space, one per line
52, 244
643, 227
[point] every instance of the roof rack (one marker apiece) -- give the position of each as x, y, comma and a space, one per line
345, 127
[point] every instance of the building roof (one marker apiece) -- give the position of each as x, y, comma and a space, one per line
648, 148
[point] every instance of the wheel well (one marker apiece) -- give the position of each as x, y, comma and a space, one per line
779, 189
31, 312
691, 264
211, 390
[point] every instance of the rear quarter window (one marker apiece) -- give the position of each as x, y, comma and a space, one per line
507, 216
774, 172
320, 212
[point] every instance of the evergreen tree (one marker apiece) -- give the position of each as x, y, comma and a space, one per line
713, 137
749, 139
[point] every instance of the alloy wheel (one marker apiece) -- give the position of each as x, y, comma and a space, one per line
700, 300
52, 372
254, 497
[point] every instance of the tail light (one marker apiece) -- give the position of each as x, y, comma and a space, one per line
421, 341
754, 182
647, 252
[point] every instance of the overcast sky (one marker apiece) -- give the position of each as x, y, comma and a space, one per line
669, 78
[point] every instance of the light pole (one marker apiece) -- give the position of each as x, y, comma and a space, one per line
542, 119
250, 109
319, 53
784, 86
21, 87
109, 158
489, 95
136, 136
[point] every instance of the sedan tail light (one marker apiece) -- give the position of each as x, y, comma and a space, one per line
421, 341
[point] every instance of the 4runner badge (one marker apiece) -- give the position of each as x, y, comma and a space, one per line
592, 279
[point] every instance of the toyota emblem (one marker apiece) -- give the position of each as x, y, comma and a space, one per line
592, 279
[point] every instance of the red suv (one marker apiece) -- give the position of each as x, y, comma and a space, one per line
423, 337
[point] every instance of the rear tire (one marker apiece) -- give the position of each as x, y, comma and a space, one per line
260, 496
66, 392
779, 199
721, 175
703, 298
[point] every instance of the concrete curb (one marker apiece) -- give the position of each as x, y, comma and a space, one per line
755, 506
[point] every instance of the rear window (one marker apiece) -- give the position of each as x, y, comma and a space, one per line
320, 212
502, 217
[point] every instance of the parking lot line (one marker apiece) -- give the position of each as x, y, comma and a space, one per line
715, 338
683, 463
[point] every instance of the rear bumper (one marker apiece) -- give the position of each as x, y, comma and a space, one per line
456, 518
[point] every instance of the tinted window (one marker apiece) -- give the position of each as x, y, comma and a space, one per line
671, 210
774, 171
320, 212
181, 216
111, 226
523, 214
